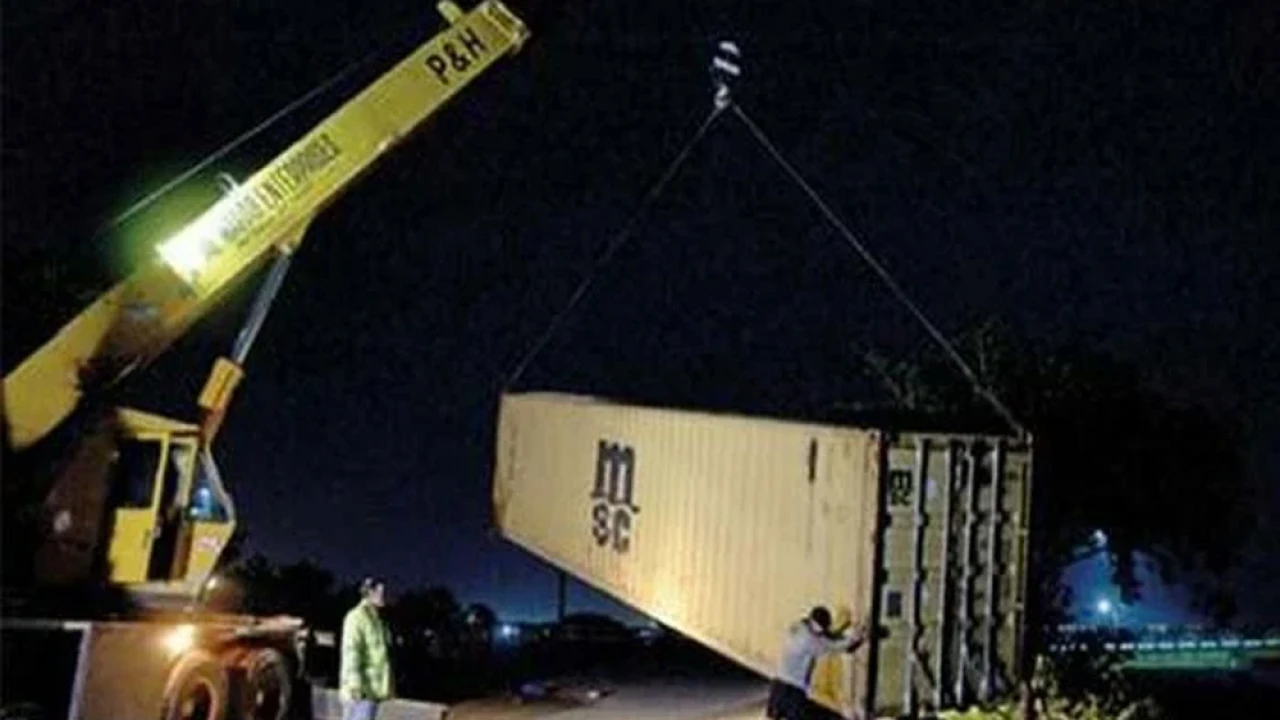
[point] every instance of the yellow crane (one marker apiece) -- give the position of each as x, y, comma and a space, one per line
134, 500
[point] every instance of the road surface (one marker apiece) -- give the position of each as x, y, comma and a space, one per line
664, 699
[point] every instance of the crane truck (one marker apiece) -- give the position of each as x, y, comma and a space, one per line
105, 497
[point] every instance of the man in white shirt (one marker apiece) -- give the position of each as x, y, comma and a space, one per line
807, 640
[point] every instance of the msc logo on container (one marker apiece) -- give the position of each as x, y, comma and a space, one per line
612, 498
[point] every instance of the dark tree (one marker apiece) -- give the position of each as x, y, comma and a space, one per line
303, 589
433, 613
1154, 474
481, 620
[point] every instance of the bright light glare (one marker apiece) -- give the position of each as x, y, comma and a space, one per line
188, 251
180, 639
1099, 538
1105, 607
211, 583
507, 630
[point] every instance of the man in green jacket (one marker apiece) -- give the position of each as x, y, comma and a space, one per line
364, 674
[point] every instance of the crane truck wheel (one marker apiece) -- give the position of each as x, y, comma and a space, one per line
198, 689
268, 685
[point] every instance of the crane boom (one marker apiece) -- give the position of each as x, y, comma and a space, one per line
267, 215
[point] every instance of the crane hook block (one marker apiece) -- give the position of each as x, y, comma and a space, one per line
726, 68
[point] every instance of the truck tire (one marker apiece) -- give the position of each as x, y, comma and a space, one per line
268, 685
198, 689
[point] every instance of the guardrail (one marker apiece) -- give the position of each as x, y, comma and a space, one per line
1224, 653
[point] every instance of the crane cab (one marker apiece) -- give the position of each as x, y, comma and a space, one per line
154, 520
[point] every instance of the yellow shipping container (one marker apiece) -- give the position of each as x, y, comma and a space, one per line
729, 528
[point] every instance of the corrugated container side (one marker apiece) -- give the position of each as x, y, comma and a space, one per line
726, 528
730, 528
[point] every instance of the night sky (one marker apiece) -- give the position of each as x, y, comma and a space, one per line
1099, 173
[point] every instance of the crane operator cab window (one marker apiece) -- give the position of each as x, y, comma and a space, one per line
134, 473
134, 480
206, 496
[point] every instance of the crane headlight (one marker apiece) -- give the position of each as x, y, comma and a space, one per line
180, 639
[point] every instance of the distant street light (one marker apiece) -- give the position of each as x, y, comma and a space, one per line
1108, 610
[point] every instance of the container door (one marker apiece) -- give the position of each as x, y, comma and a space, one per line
952, 562
844, 521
